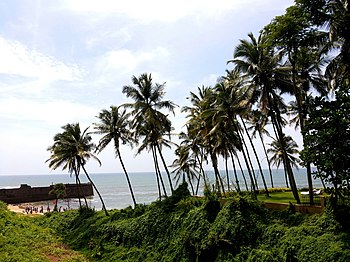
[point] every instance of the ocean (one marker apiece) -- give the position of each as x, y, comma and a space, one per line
115, 191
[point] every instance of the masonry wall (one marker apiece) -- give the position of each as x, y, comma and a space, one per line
26, 193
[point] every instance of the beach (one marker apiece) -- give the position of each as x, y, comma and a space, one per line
114, 189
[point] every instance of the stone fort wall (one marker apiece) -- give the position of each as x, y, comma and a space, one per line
26, 193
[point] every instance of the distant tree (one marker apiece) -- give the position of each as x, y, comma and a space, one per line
327, 140
59, 190
72, 148
185, 166
114, 126
276, 151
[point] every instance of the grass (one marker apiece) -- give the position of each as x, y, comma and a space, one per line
280, 197
23, 239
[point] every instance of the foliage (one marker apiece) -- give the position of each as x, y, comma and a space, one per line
22, 239
207, 230
327, 139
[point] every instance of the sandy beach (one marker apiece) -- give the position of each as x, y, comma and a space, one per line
21, 208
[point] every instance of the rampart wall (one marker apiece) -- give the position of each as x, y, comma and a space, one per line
26, 193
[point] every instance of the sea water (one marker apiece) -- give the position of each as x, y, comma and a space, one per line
115, 191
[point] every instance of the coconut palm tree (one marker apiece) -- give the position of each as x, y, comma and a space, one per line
148, 121
185, 166
277, 152
113, 126
261, 64
232, 102
72, 149
334, 16
257, 123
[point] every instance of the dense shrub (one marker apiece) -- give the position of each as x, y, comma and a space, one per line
191, 229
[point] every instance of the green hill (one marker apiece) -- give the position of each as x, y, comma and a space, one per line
183, 228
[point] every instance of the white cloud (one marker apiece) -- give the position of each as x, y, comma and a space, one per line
125, 61
17, 59
155, 10
51, 112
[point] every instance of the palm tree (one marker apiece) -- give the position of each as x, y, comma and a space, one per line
258, 122
232, 102
202, 128
72, 148
333, 15
148, 121
277, 153
260, 63
304, 52
113, 126
185, 166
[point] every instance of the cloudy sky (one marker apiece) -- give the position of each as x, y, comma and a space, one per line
63, 61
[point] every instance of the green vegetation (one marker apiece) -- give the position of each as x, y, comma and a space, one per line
184, 228
179, 228
304, 53
22, 239
279, 197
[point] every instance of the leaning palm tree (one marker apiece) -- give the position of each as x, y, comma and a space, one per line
277, 152
259, 61
72, 148
113, 126
148, 121
257, 123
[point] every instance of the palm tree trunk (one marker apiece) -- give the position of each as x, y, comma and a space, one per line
247, 156
202, 173
191, 184
252, 183
256, 157
157, 176
94, 186
127, 177
243, 175
227, 176
159, 173
280, 136
299, 99
166, 168
218, 179
235, 172
267, 159
81, 192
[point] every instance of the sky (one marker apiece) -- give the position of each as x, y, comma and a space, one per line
64, 61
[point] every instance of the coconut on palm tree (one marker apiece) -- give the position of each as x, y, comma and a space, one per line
72, 149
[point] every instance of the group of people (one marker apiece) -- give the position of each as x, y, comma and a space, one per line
34, 209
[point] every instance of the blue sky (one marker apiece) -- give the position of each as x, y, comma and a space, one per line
63, 61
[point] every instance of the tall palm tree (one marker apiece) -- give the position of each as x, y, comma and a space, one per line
113, 126
257, 123
304, 52
261, 64
148, 121
203, 128
277, 152
231, 103
72, 148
